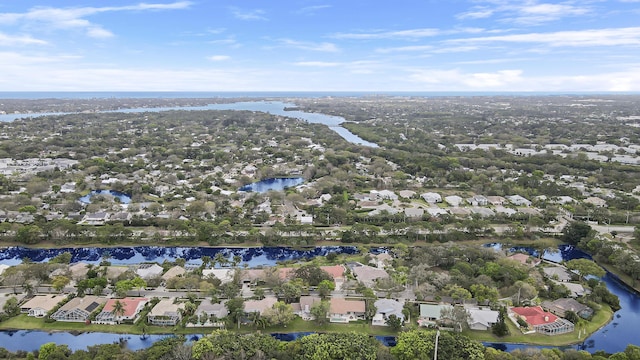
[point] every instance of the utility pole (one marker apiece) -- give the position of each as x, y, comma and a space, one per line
435, 350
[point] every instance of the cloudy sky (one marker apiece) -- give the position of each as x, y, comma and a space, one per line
316, 45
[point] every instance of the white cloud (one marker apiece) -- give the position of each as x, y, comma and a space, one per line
499, 79
322, 64
526, 12
50, 18
312, 9
311, 46
249, 15
402, 34
12, 40
219, 57
593, 37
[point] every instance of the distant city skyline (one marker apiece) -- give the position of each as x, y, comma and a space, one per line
306, 45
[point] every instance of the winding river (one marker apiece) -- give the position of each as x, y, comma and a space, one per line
270, 107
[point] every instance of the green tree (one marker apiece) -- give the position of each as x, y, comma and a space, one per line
575, 231
118, 309
11, 307
325, 288
311, 275
280, 314
52, 351
500, 328
59, 282
344, 346
235, 308
138, 283
394, 322
585, 267
319, 311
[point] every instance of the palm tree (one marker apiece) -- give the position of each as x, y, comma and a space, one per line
118, 309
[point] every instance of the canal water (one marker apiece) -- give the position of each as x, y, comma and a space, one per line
613, 337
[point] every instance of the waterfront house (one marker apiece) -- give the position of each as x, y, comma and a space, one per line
259, 306
40, 305
165, 313
148, 271
212, 310
78, 309
540, 321
344, 311
306, 302
224, 275
386, 308
560, 307
481, 319
173, 272
557, 273
131, 309
431, 314
368, 275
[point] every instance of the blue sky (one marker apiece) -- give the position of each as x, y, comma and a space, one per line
307, 45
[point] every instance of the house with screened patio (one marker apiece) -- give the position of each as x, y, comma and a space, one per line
78, 309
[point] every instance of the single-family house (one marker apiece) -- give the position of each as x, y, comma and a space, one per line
40, 305
97, 218
416, 213
79, 270
481, 319
386, 308
224, 275
524, 259
560, 307
78, 309
557, 273
430, 314
436, 211
540, 321
344, 311
3, 267
336, 272
148, 271
259, 306
478, 200
595, 201
431, 197
165, 313
306, 302
173, 272
384, 194
453, 200
213, 310
575, 290
496, 200
130, 309
368, 274
381, 260
407, 194
518, 200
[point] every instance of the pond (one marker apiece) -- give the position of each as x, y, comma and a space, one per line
122, 197
277, 184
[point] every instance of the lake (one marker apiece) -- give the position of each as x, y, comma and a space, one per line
270, 107
277, 184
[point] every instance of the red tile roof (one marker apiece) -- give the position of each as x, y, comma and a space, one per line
130, 305
342, 306
336, 271
535, 315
